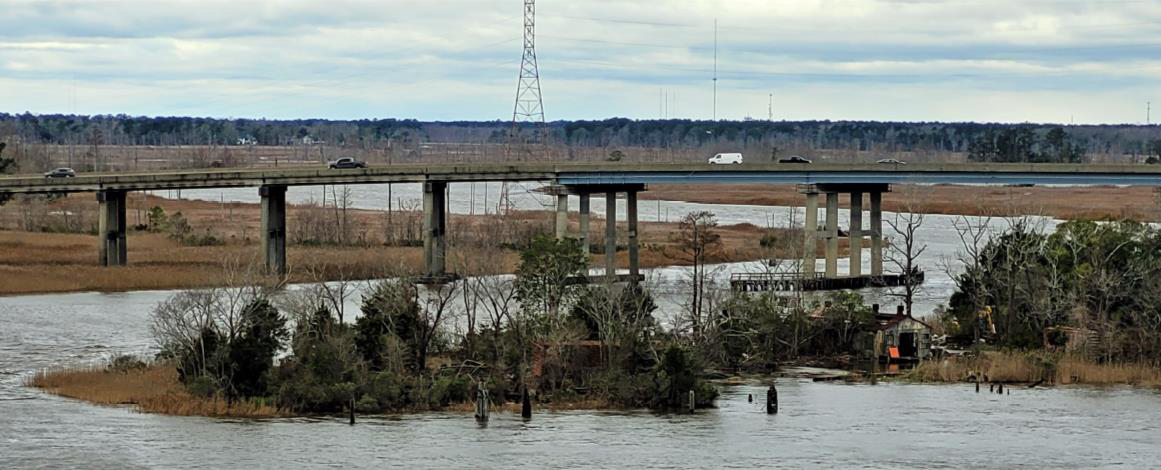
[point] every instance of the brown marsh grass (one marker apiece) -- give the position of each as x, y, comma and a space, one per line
33, 262
1034, 367
154, 389
1135, 203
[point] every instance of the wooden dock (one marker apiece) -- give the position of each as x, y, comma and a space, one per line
794, 281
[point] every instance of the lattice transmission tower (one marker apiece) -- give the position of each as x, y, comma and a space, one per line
528, 112
529, 104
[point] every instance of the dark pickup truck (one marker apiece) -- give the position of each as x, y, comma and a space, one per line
346, 162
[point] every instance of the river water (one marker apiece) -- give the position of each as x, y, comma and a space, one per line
821, 425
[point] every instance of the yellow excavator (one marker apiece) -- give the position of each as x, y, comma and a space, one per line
987, 327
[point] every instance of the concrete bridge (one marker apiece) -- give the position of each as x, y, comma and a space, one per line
582, 180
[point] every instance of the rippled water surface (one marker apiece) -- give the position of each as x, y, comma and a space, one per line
820, 425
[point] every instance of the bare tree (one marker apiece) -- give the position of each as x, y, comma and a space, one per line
974, 234
178, 324
436, 306
904, 250
697, 239
334, 284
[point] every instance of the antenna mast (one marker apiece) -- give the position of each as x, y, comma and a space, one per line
715, 69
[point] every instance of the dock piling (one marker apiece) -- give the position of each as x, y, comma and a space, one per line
771, 400
526, 408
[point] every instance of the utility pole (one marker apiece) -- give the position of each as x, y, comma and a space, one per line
1148, 113
770, 109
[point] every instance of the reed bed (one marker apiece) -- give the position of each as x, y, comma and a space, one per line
1064, 203
1032, 367
153, 389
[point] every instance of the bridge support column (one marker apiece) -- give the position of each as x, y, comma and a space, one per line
274, 227
611, 236
876, 233
810, 234
856, 234
561, 216
831, 235
584, 224
435, 228
112, 250
631, 214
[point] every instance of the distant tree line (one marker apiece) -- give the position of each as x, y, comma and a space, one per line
985, 141
1025, 145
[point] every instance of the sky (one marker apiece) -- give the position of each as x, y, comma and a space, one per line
1059, 61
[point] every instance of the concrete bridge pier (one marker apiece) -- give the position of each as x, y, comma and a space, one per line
832, 235
634, 251
611, 235
584, 224
876, 233
856, 234
810, 234
112, 250
830, 231
274, 227
610, 191
435, 229
561, 223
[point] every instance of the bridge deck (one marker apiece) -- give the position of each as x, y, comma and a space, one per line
604, 174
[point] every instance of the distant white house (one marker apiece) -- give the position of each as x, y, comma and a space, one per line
247, 141
308, 140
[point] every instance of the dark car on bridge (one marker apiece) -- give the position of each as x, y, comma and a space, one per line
794, 159
61, 173
346, 162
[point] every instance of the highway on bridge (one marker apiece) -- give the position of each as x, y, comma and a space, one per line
603, 174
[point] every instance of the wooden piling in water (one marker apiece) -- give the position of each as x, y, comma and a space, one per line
750, 397
526, 408
771, 400
482, 404
352, 411
692, 402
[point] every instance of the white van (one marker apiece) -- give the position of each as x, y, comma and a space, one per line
726, 159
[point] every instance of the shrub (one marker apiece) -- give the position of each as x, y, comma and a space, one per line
126, 363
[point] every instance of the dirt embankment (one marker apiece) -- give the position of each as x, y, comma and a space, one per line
1135, 203
35, 262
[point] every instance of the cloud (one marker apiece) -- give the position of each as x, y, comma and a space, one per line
458, 59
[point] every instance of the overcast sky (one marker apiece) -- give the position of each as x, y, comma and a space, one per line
1088, 61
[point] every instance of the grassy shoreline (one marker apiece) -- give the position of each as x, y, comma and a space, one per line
155, 389
152, 389
1034, 367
